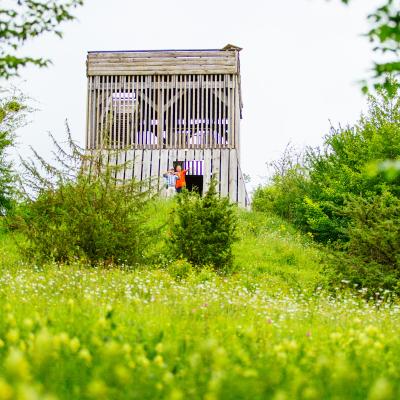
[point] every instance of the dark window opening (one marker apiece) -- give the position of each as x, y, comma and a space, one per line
194, 183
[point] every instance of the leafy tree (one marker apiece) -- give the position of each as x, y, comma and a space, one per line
313, 193
12, 116
78, 207
203, 229
27, 19
385, 37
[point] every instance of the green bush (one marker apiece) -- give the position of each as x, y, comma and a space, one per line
83, 212
91, 219
12, 116
203, 229
284, 196
372, 254
312, 192
346, 195
179, 269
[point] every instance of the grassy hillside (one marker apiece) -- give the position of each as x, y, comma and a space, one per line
266, 330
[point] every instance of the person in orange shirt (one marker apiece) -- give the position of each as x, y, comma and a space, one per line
181, 181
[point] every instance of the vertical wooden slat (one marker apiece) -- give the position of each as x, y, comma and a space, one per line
106, 117
172, 156
167, 97
119, 121
210, 109
101, 108
234, 112
129, 111
193, 92
163, 161
141, 119
173, 93
216, 171
223, 115
155, 117
198, 97
215, 117
134, 110
115, 111
190, 155
120, 162
202, 136
146, 164
178, 97
241, 189
129, 164
147, 110
233, 175
181, 155
224, 174
161, 98
155, 168
237, 120
138, 164
183, 144
229, 114
111, 112
88, 144
98, 139
123, 114
207, 169
218, 93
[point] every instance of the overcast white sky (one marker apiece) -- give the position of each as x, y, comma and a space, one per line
300, 64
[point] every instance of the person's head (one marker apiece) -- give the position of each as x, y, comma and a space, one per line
171, 171
178, 168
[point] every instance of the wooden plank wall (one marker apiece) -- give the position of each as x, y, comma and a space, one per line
162, 62
163, 112
223, 164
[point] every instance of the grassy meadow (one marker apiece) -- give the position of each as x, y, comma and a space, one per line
267, 330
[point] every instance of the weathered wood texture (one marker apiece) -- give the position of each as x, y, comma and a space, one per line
159, 107
162, 62
147, 164
177, 111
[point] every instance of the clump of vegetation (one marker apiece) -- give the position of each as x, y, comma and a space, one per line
12, 115
82, 211
203, 229
338, 196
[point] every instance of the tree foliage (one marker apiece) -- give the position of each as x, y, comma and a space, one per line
79, 207
342, 195
203, 229
27, 19
384, 35
12, 115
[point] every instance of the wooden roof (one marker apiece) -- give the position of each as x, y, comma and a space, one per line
164, 62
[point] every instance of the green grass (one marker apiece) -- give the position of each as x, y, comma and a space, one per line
265, 331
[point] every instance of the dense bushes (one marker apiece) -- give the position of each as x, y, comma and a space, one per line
95, 220
202, 229
332, 194
79, 209
84, 213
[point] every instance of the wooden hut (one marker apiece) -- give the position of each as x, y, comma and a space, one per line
164, 107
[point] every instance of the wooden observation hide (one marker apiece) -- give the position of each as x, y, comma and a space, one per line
165, 107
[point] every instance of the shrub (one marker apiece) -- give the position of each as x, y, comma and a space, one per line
372, 253
203, 229
78, 214
312, 191
12, 116
179, 269
284, 196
